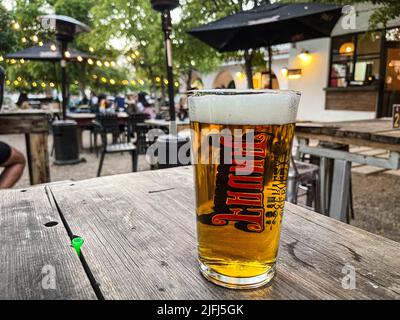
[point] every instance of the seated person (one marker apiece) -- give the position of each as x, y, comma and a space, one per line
13, 162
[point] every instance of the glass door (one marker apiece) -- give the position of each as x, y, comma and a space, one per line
391, 94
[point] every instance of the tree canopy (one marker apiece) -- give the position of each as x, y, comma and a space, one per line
127, 42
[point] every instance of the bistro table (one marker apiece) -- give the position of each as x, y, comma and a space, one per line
84, 120
140, 243
376, 133
34, 125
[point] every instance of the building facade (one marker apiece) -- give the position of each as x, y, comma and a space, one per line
354, 74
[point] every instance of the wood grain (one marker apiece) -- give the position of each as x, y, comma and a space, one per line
376, 133
14, 123
38, 158
140, 243
28, 246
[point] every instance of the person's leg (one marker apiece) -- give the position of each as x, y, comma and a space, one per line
13, 169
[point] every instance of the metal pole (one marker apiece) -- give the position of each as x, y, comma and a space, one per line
270, 65
64, 46
167, 28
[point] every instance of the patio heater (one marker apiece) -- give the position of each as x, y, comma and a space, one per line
64, 131
165, 6
170, 144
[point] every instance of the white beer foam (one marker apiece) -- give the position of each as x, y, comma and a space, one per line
244, 107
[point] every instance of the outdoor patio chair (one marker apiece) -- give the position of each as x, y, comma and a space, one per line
114, 147
304, 176
139, 130
110, 124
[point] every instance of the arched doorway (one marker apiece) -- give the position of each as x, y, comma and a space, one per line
224, 80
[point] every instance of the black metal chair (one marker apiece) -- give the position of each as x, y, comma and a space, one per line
114, 147
110, 124
139, 129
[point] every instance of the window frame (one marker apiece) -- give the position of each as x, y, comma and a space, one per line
355, 58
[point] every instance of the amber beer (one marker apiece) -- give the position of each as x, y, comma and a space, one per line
240, 180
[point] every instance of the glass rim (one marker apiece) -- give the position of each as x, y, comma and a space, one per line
205, 92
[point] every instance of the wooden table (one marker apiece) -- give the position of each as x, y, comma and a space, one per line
140, 243
34, 124
377, 133
84, 120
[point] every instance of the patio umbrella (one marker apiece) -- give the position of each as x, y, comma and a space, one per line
50, 51
46, 53
268, 25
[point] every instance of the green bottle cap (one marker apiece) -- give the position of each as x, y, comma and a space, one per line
77, 244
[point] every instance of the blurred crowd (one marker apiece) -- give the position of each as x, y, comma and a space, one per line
132, 103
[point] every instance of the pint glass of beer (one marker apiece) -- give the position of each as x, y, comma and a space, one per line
241, 147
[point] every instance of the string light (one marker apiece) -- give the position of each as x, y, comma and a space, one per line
23, 39
176, 84
112, 63
98, 62
16, 82
8, 82
79, 58
90, 61
94, 76
12, 61
125, 82
67, 54
1, 59
53, 47
137, 52
91, 49
103, 79
158, 79
22, 61
133, 82
16, 25
165, 81
112, 81
40, 43
76, 82
34, 84
51, 84
107, 64
19, 79
141, 82
35, 38
43, 85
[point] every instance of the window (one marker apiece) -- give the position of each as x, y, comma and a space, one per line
355, 60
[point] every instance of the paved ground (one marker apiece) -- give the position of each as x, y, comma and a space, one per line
376, 196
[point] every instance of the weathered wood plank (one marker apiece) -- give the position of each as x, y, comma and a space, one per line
349, 141
376, 133
140, 243
30, 251
29, 122
38, 158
